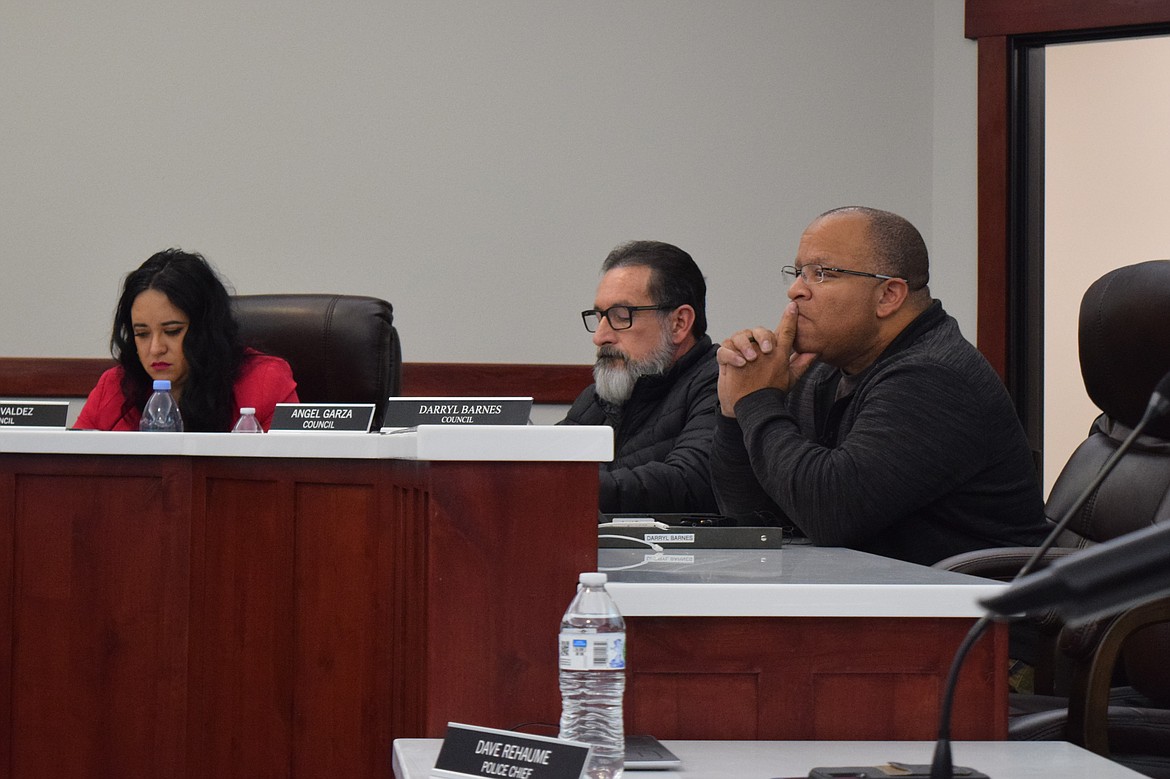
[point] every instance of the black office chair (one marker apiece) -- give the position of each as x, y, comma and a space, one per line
342, 348
1124, 338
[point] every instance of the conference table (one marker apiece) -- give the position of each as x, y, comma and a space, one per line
414, 758
290, 604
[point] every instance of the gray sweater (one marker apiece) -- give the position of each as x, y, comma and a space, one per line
924, 459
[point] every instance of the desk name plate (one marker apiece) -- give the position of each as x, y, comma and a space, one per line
322, 418
33, 413
412, 412
486, 753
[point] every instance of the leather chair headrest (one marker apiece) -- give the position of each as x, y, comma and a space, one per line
342, 348
1125, 341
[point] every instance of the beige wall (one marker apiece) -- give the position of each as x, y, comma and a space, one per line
472, 162
1107, 194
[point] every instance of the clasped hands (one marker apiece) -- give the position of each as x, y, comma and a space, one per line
753, 359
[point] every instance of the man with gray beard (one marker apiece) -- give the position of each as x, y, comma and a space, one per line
654, 381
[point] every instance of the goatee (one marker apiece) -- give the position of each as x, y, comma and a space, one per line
615, 374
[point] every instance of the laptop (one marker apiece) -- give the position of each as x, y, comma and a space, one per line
647, 753
683, 531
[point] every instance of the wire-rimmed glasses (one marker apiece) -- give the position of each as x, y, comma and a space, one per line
814, 273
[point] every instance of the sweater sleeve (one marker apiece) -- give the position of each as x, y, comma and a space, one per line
737, 490
909, 443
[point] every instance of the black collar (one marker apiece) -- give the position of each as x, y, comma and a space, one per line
828, 409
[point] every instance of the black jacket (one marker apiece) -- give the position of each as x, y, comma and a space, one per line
662, 438
924, 459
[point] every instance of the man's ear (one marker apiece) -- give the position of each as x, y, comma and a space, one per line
682, 321
894, 294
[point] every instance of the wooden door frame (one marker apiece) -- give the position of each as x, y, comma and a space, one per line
1001, 27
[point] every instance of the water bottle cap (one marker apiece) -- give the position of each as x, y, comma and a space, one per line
247, 410
162, 384
592, 579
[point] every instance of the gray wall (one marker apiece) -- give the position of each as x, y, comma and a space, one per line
471, 162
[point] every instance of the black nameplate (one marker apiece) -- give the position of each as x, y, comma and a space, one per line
619, 537
322, 418
33, 413
412, 412
486, 753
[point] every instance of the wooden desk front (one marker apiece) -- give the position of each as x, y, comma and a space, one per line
802, 643
174, 614
198, 616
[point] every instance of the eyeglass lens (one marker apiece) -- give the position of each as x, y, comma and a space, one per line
812, 274
620, 318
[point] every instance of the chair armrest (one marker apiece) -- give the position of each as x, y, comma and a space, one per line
1089, 705
1002, 563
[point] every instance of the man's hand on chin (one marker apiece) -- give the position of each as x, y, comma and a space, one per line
756, 358
798, 362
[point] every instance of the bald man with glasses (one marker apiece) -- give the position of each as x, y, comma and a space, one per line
865, 419
654, 381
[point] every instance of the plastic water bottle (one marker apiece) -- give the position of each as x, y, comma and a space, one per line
161, 413
247, 423
593, 676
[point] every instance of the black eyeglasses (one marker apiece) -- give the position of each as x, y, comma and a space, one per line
815, 274
619, 317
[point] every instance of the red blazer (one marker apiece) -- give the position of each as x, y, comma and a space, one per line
263, 382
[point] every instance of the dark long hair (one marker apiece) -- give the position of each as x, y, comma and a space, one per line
211, 346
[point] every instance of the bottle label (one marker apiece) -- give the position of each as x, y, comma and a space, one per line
593, 651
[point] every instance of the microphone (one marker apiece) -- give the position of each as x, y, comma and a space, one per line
1109, 577
1160, 400
1124, 584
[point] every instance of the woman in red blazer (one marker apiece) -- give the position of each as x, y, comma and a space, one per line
174, 321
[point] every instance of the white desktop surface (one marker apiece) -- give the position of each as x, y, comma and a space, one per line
414, 758
428, 442
798, 580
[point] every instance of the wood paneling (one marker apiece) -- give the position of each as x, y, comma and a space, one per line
24, 377
341, 667
802, 678
996, 18
242, 680
994, 214
510, 641
49, 377
545, 383
99, 615
7, 544
241, 617
193, 617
